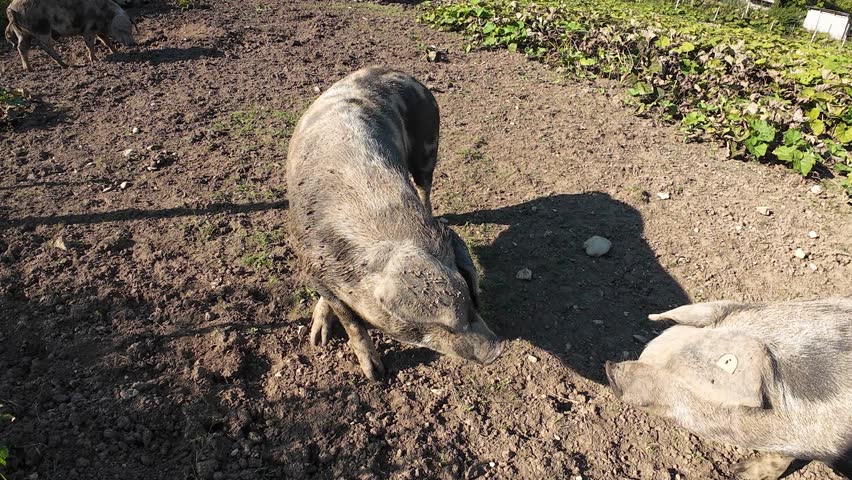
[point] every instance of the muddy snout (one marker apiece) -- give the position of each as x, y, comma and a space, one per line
478, 344
611, 374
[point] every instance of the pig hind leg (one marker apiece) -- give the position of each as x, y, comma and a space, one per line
323, 321
770, 466
421, 172
23, 50
359, 340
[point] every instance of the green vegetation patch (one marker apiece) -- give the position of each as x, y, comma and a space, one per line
767, 96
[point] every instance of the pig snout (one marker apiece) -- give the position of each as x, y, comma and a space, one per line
478, 344
121, 30
611, 373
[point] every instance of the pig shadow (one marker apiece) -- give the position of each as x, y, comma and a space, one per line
165, 55
584, 310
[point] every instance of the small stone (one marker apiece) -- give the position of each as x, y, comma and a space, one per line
492, 464
567, 346
128, 393
136, 130
59, 243
443, 220
640, 339
556, 437
317, 89
597, 246
128, 153
816, 189
799, 253
813, 266
532, 359
764, 211
123, 185
524, 274
813, 234
664, 195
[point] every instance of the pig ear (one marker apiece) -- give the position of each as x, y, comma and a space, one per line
465, 265
697, 314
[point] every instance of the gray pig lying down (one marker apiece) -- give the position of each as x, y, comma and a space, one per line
776, 378
41, 20
365, 234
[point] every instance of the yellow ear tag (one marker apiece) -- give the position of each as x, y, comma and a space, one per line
728, 363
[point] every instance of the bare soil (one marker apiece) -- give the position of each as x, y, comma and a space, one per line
156, 329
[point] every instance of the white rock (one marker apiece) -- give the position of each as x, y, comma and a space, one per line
816, 189
123, 185
799, 253
128, 152
812, 266
813, 234
524, 274
316, 89
59, 243
664, 195
764, 211
492, 464
597, 246
532, 359
136, 130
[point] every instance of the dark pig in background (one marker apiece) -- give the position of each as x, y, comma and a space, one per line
41, 20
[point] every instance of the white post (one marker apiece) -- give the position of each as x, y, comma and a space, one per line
717, 13
677, 4
748, 4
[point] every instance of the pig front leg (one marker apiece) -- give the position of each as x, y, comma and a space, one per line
323, 320
46, 42
90, 46
769, 466
107, 42
359, 340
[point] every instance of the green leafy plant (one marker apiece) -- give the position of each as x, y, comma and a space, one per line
745, 81
4, 449
13, 104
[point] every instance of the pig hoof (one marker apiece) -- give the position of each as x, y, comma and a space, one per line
768, 467
373, 368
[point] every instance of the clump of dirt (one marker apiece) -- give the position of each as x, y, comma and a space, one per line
153, 325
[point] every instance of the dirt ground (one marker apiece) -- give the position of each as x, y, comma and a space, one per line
155, 329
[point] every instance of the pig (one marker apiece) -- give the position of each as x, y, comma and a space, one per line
365, 234
42, 20
773, 377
